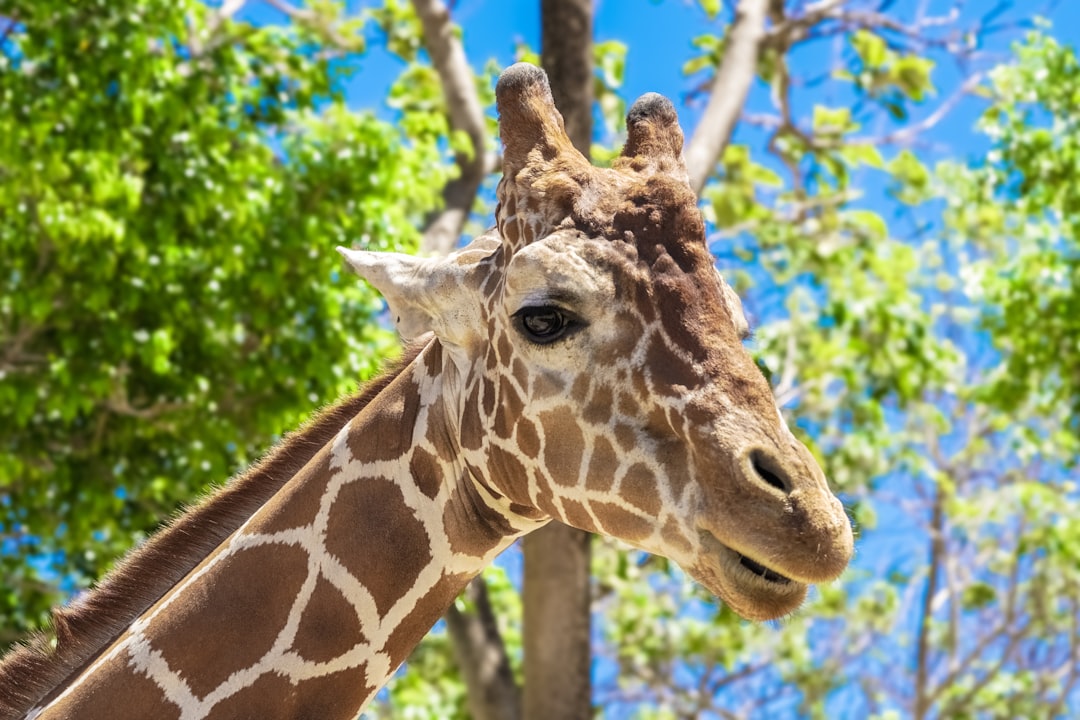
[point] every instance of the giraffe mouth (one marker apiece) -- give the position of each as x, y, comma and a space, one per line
763, 572
739, 563
751, 588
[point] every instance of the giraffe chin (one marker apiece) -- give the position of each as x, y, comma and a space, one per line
745, 585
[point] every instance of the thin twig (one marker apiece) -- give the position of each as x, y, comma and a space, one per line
1071, 666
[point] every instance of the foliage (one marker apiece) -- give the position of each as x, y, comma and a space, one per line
1027, 229
173, 185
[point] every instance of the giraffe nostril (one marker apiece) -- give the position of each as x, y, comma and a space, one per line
767, 470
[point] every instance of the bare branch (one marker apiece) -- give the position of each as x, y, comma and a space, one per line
13, 354
908, 133
792, 29
1073, 661
466, 115
225, 12
785, 388
729, 90
481, 658
1013, 635
1007, 627
211, 38
119, 403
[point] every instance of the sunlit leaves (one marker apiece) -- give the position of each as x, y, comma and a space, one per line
609, 58
887, 76
911, 178
711, 7
1022, 203
710, 52
171, 190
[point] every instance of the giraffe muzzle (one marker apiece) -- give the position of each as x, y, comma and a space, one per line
751, 588
769, 529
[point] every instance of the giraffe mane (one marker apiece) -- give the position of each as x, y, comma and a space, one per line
93, 621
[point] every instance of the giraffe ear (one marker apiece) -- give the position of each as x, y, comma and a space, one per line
423, 294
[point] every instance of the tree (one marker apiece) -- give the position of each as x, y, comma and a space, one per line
168, 174
916, 312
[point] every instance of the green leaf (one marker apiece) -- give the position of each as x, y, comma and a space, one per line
978, 595
711, 7
870, 47
868, 222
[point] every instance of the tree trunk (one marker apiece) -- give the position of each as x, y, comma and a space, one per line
481, 657
566, 52
556, 586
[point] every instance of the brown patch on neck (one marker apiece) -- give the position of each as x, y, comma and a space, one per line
329, 626
222, 607
142, 697
428, 609
34, 672
389, 570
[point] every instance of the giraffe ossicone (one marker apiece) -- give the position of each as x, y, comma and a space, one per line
581, 361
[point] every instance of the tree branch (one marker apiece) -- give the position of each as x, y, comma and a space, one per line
319, 23
481, 658
1071, 666
466, 115
791, 30
13, 355
1007, 628
1013, 636
730, 87
907, 134
225, 12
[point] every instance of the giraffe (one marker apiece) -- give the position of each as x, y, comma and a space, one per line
581, 361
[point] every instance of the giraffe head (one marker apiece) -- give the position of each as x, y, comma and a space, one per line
593, 365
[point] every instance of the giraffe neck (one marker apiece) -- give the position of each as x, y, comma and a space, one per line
307, 609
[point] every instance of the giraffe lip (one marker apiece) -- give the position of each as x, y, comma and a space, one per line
763, 572
749, 587
739, 563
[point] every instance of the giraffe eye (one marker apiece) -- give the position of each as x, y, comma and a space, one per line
544, 324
